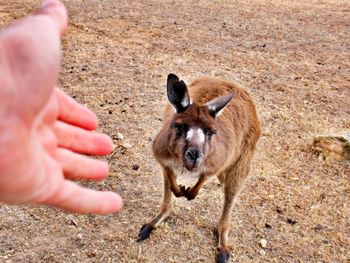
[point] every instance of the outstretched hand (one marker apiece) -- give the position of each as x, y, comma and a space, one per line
43, 132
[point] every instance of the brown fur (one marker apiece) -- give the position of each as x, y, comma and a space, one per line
228, 153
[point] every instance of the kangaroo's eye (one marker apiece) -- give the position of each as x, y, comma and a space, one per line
210, 133
179, 129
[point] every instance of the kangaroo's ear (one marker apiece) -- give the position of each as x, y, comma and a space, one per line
216, 106
177, 93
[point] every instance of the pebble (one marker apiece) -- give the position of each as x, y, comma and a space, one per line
267, 225
263, 243
73, 222
291, 221
120, 136
262, 252
127, 145
319, 227
135, 167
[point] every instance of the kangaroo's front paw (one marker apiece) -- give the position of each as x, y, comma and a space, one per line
178, 191
188, 192
223, 256
145, 232
183, 191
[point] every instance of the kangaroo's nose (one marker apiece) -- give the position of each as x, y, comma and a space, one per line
193, 154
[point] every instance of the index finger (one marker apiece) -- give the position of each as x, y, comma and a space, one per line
70, 111
57, 11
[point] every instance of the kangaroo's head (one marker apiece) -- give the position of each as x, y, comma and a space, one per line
193, 126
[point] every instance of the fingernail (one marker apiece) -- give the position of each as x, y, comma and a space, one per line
46, 3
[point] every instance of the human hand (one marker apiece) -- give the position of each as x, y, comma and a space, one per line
43, 132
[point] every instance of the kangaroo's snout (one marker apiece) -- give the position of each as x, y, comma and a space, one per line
193, 158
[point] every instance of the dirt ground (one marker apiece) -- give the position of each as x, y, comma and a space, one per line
293, 56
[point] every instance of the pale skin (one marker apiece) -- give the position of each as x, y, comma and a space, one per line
44, 134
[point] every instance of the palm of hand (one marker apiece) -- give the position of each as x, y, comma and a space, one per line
42, 131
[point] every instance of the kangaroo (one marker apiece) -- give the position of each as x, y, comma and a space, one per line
210, 129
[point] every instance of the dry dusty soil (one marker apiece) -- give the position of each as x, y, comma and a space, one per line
294, 58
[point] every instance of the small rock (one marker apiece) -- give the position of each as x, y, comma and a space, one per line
127, 145
319, 227
263, 243
262, 252
322, 196
279, 210
79, 236
91, 254
291, 221
10, 245
267, 225
35, 216
73, 222
333, 146
120, 136
135, 167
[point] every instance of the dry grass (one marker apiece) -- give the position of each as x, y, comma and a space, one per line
293, 56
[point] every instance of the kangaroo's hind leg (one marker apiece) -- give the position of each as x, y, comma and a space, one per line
234, 179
